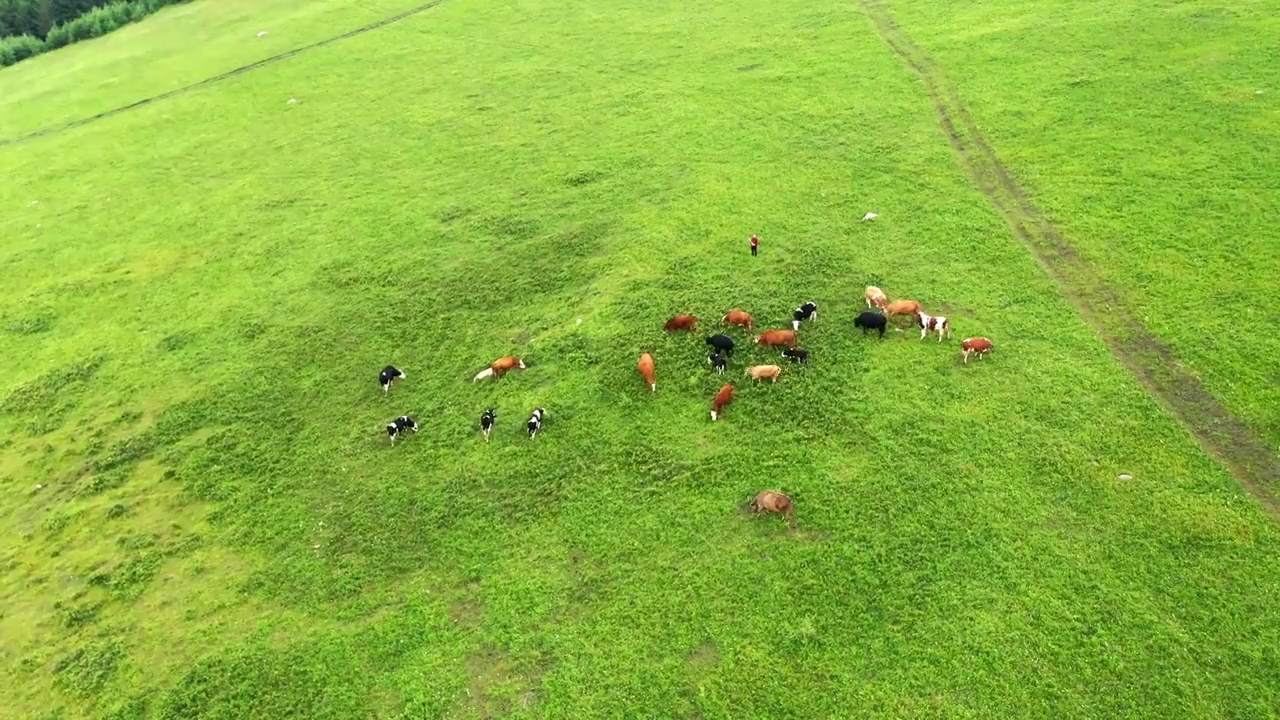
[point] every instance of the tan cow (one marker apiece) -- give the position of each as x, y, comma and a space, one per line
761, 372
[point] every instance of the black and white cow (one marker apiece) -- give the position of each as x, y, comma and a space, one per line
807, 311
400, 425
722, 343
389, 374
487, 420
535, 422
799, 355
717, 361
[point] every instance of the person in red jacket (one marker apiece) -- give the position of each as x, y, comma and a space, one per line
755, 245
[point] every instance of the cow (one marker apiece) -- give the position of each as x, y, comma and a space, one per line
499, 367
760, 372
645, 366
774, 501
389, 374
869, 320
777, 337
682, 322
807, 311
400, 425
741, 318
535, 422
903, 307
717, 361
875, 297
936, 323
724, 397
487, 420
796, 355
979, 346
722, 343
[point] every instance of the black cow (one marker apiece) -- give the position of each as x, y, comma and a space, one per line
807, 311
796, 355
388, 374
535, 422
717, 361
722, 343
870, 321
400, 425
487, 420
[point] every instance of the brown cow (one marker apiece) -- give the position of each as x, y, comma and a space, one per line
682, 322
903, 307
774, 501
760, 372
724, 397
645, 366
875, 296
980, 346
499, 367
741, 318
777, 337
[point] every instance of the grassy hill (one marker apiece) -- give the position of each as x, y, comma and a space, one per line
202, 515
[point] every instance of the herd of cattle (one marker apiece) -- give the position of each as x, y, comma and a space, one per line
722, 348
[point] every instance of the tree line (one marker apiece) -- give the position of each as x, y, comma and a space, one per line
31, 27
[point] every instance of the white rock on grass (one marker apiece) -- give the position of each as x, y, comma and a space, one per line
870, 216
293, 101
264, 32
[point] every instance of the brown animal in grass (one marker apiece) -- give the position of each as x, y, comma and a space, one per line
903, 307
741, 318
774, 501
979, 346
777, 338
499, 367
875, 297
645, 366
682, 322
724, 397
761, 372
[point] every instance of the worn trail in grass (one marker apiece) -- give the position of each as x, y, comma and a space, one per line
200, 302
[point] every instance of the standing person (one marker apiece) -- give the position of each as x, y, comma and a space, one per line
755, 245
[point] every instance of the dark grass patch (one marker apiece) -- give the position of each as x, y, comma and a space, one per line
88, 668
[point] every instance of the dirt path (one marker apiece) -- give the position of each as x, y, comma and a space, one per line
1218, 432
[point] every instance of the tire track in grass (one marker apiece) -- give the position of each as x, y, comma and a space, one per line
55, 129
1221, 434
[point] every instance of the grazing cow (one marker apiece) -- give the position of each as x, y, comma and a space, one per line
760, 372
500, 367
875, 297
774, 501
796, 355
807, 311
903, 307
936, 323
388, 374
724, 397
980, 346
535, 422
741, 318
682, 322
487, 420
870, 321
399, 425
717, 361
645, 366
722, 343
777, 337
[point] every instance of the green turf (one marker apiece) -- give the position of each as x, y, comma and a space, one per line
196, 310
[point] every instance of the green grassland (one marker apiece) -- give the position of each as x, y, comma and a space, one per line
198, 302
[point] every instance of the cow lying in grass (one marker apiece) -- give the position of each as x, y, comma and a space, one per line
774, 501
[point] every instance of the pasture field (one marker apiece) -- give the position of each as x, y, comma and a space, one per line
203, 519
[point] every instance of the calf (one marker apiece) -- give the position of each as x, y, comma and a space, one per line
738, 317
401, 424
645, 366
777, 337
875, 297
499, 367
870, 321
796, 355
774, 501
682, 322
807, 311
760, 372
980, 346
903, 307
487, 420
936, 323
722, 343
724, 397
388, 374
717, 361
535, 422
